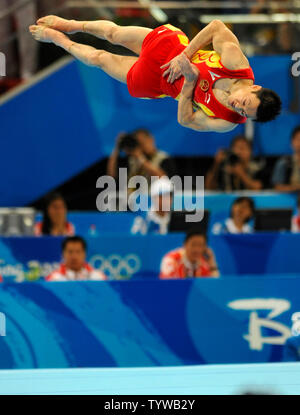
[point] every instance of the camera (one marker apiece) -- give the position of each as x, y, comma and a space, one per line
232, 158
128, 142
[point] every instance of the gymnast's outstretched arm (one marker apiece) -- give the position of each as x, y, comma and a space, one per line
225, 43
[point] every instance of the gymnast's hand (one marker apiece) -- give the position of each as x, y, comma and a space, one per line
173, 69
187, 69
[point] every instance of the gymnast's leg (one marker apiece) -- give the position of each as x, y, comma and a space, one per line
131, 37
114, 65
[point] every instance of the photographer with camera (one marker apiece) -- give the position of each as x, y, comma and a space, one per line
235, 169
144, 159
286, 173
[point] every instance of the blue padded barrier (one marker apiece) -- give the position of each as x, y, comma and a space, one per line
146, 323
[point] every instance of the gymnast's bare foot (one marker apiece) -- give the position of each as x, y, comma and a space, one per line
45, 34
58, 23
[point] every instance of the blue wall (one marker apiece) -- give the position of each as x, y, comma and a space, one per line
70, 119
47, 136
154, 323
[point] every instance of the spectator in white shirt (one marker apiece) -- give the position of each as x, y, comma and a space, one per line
74, 266
158, 217
242, 211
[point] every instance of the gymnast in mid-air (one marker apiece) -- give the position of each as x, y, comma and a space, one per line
215, 89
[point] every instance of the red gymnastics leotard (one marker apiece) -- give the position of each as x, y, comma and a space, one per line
145, 80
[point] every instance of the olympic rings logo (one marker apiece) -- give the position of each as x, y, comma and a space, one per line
115, 266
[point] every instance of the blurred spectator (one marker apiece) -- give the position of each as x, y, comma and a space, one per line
22, 52
295, 226
242, 211
291, 349
157, 219
23, 63
235, 169
131, 13
144, 159
27, 48
194, 259
55, 218
1, 279
277, 37
74, 266
286, 174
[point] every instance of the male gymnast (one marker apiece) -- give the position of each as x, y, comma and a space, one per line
215, 89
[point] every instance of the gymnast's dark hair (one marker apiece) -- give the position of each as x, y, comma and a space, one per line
269, 107
46, 224
70, 239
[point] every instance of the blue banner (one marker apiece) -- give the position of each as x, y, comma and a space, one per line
146, 323
264, 253
119, 256
123, 256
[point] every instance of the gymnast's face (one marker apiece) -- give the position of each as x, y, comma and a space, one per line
245, 101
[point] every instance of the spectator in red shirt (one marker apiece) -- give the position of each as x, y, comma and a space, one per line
194, 259
55, 218
296, 218
74, 266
